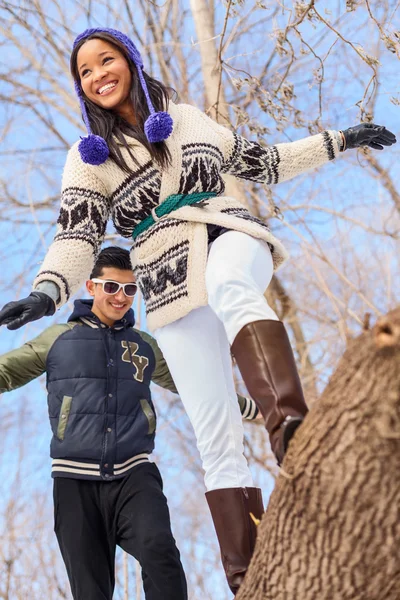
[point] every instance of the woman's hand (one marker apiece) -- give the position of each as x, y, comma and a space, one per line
18, 313
368, 134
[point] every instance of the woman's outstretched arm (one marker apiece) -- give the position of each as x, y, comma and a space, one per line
81, 226
273, 164
69, 260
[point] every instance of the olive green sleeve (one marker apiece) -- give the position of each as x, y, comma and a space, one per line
248, 408
163, 378
161, 375
24, 364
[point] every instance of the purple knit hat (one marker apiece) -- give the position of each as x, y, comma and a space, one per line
93, 148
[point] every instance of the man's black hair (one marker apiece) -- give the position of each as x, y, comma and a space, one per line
111, 257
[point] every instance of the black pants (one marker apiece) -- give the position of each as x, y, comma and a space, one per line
93, 517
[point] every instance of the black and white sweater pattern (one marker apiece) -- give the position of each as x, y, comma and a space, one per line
169, 259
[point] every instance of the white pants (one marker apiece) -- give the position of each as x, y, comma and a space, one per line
197, 350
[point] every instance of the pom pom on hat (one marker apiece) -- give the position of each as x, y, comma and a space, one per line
158, 127
93, 149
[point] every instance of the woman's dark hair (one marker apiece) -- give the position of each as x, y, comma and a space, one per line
109, 125
111, 257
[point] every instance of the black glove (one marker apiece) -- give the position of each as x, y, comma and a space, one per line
368, 134
35, 306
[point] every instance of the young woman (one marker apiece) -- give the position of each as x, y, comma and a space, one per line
202, 261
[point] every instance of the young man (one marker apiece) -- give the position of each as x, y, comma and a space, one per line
106, 491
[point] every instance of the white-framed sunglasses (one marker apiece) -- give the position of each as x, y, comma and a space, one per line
112, 287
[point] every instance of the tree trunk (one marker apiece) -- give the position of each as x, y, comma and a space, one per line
332, 529
203, 17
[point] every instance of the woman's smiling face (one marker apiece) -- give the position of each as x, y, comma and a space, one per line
105, 76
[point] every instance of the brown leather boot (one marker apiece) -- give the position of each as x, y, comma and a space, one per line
236, 531
265, 359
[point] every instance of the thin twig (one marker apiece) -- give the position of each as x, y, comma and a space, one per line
219, 65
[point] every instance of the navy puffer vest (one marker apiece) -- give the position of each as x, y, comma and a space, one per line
100, 407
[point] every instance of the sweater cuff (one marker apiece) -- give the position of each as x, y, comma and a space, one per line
50, 288
339, 140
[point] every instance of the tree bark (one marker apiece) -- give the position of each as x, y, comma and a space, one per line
332, 529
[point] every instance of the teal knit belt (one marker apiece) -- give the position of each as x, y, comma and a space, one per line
170, 204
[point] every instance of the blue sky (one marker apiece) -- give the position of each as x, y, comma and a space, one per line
345, 187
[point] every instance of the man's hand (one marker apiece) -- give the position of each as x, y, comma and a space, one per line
18, 313
368, 134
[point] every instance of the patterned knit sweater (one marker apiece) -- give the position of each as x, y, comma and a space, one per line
169, 259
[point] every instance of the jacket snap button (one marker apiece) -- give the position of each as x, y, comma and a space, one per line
110, 395
106, 465
109, 429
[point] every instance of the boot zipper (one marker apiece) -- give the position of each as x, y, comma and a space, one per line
247, 516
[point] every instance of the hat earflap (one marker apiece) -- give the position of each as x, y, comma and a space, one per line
159, 125
92, 148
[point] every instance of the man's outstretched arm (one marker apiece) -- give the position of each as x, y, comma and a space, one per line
24, 364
